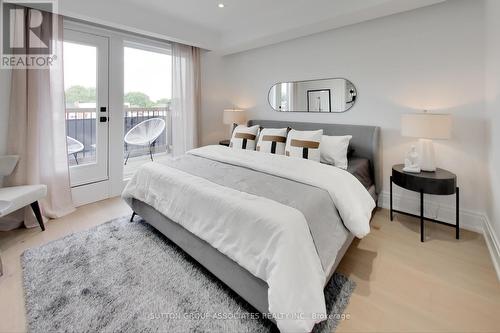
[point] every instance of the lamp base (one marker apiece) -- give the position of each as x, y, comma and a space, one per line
427, 155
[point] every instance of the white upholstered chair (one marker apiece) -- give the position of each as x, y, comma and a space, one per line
16, 197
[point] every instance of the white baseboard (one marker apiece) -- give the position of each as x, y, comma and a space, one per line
469, 220
493, 244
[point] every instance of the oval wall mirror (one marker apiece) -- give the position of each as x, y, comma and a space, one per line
325, 96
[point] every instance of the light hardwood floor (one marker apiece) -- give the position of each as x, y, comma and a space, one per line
442, 285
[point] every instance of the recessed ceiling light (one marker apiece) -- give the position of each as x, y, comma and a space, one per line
221, 5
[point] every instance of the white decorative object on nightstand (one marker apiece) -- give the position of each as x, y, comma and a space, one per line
412, 163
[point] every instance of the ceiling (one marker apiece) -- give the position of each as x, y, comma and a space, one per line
247, 24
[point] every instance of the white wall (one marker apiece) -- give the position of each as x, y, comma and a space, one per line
493, 108
430, 58
4, 108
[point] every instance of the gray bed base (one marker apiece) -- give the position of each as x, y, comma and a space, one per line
366, 144
241, 281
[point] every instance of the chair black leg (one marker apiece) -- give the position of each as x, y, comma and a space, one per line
132, 218
457, 211
150, 151
76, 158
128, 155
422, 231
38, 214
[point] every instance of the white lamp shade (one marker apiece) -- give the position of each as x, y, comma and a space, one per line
232, 116
426, 125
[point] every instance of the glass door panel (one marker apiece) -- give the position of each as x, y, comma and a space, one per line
148, 92
81, 102
86, 88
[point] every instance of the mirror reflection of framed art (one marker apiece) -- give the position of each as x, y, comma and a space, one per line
319, 100
333, 95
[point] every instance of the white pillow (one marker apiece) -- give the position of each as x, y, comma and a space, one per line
244, 137
272, 140
304, 144
334, 150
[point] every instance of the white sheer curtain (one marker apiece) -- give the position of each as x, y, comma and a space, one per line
37, 132
185, 97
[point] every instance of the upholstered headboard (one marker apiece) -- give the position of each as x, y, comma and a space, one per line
365, 140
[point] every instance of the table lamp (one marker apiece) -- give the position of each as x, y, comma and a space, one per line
426, 126
232, 117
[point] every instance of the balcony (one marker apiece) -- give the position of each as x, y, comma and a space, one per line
81, 125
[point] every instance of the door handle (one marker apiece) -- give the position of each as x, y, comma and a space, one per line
103, 119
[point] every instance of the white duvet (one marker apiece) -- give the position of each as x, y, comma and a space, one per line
259, 234
352, 200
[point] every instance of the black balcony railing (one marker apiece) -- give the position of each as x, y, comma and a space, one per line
81, 125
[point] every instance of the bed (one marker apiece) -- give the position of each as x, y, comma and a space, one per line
269, 187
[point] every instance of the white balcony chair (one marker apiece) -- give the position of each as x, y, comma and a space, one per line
74, 147
145, 134
16, 197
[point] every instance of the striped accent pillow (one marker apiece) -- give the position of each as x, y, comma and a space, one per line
304, 144
272, 140
244, 137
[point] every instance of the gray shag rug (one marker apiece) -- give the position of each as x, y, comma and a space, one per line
127, 277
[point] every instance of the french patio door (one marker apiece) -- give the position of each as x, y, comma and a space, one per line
86, 59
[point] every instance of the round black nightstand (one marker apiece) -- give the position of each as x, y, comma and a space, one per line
440, 182
225, 142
